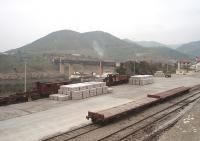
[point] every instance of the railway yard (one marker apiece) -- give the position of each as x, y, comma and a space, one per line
99, 70
187, 127
50, 120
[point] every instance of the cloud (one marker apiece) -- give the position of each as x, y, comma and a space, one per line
23, 21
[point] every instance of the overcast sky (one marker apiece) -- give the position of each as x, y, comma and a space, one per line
166, 21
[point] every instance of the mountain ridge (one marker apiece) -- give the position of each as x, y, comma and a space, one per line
98, 44
191, 48
150, 44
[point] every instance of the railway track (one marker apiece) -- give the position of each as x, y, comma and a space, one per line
130, 131
74, 133
126, 129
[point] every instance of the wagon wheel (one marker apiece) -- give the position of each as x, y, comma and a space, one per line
94, 120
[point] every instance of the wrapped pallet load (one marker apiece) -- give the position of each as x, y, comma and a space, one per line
80, 91
159, 74
141, 80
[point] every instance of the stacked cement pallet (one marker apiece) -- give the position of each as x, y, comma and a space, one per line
83, 90
141, 79
59, 97
159, 74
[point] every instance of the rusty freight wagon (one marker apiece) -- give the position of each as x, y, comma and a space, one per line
40, 90
46, 88
116, 79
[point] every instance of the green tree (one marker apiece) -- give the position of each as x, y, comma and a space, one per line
120, 70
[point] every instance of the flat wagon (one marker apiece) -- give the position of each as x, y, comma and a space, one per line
106, 115
170, 93
118, 111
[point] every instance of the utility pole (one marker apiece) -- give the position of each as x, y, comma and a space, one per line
25, 90
167, 67
134, 66
168, 64
25, 76
134, 58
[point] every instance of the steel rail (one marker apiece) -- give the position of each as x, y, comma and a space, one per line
104, 138
97, 126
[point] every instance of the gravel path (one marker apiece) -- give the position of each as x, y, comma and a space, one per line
186, 129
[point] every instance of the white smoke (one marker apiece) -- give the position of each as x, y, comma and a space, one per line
98, 49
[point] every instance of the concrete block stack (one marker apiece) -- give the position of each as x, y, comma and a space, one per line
81, 90
159, 74
59, 97
105, 90
141, 80
109, 90
99, 90
93, 92
85, 93
76, 95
